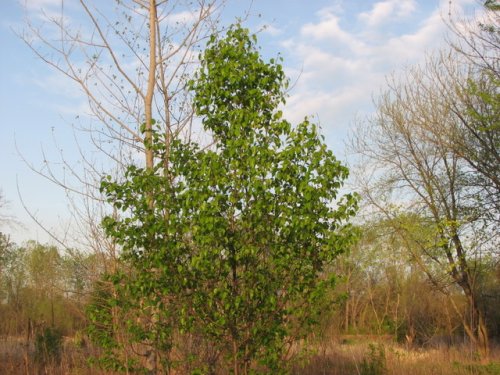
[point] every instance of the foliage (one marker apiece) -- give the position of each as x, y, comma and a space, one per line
375, 364
492, 368
104, 325
12, 273
48, 345
434, 145
233, 242
37, 287
492, 5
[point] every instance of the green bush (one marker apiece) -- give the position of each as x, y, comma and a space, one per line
375, 363
492, 368
48, 345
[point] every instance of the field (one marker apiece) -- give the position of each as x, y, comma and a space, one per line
369, 356
353, 355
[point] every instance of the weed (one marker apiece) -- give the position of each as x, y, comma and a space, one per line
48, 345
492, 368
375, 364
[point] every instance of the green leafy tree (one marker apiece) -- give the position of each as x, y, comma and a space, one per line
492, 5
231, 242
13, 275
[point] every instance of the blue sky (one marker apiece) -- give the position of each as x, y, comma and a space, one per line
337, 55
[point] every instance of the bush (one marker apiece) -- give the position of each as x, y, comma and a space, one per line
48, 345
375, 363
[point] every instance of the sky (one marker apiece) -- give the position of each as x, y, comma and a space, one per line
337, 54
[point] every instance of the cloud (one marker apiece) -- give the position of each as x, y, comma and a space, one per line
387, 10
40, 4
341, 66
270, 29
49, 10
329, 29
181, 18
410, 47
43, 8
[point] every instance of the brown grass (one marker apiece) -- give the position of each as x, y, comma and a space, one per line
348, 358
17, 358
344, 357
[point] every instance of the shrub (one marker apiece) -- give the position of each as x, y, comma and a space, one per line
375, 364
48, 345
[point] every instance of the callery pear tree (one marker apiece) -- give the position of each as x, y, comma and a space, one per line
233, 242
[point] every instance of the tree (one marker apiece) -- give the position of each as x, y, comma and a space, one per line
232, 242
12, 281
5, 218
436, 139
418, 173
384, 292
467, 80
131, 61
45, 271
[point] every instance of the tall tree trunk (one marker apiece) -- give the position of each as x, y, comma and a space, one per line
473, 322
477, 330
148, 100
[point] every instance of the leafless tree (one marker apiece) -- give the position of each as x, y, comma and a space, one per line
131, 60
417, 175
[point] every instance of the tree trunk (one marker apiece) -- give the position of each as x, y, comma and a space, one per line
148, 101
475, 325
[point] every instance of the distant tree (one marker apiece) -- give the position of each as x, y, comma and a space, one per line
13, 281
6, 219
427, 152
233, 242
383, 290
44, 266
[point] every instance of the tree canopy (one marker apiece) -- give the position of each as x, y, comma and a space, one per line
234, 238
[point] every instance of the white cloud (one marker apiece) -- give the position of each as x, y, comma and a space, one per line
40, 4
344, 66
329, 29
182, 18
337, 7
48, 10
270, 29
384, 11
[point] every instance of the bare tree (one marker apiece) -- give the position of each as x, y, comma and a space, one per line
468, 77
131, 61
423, 187
6, 219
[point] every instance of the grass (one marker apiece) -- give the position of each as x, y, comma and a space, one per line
352, 356
17, 358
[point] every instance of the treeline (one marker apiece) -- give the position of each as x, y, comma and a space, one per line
380, 291
383, 291
41, 287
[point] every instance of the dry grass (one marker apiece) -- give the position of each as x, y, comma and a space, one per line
356, 356
17, 358
383, 358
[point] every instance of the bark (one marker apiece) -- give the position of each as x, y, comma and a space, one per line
148, 100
